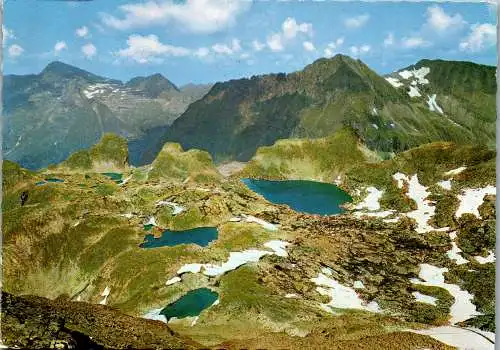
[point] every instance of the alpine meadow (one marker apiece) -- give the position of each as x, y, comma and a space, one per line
237, 174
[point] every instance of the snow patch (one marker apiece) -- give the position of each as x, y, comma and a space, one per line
151, 221
462, 338
268, 226
471, 200
236, 259
414, 92
394, 82
489, 259
433, 106
341, 297
292, 296
279, 247
455, 171
193, 268
445, 184
462, 308
177, 208
419, 194
358, 285
155, 315
127, 215
173, 281
453, 254
423, 298
418, 74
105, 294
371, 202
375, 126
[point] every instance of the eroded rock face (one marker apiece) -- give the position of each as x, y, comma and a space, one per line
39, 323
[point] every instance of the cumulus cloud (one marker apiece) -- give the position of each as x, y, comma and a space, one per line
202, 52
224, 49
197, 16
89, 50
15, 51
257, 45
290, 29
363, 49
333, 46
148, 48
480, 37
357, 21
82, 32
389, 40
59, 46
414, 42
439, 20
308, 46
275, 42
7, 34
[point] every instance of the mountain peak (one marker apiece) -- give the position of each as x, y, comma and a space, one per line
152, 85
57, 70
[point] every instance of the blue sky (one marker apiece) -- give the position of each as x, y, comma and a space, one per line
215, 40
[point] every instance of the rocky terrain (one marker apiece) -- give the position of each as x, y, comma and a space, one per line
409, 259
50, 115
430, 101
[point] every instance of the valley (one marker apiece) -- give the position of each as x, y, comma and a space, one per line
407, 256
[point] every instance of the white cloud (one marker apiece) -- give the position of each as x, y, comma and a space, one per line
440, 21
481, 36
15, 51
7, 34
59, 46
308, 46
291, 28
331, 47
224, 49
257, 45
363, 49
275, 42
202, 52
414, 42
328, 52
198, 16
389, 40
89, 50
145, 49
357, 21
82, 32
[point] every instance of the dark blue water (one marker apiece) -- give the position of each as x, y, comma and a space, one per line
201, 236
191, 304
116, 177
53, 179
40, 183
304, 196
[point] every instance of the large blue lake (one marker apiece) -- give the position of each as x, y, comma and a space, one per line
304, 196
191, 304
201, 236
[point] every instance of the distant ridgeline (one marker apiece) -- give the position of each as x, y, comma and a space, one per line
433, 100
64, 109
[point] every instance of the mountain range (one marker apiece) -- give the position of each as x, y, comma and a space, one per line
63, 109
429, 101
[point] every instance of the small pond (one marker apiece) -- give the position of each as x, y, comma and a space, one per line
201, 236
50, 179
304, 196
116, 177
191, 304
